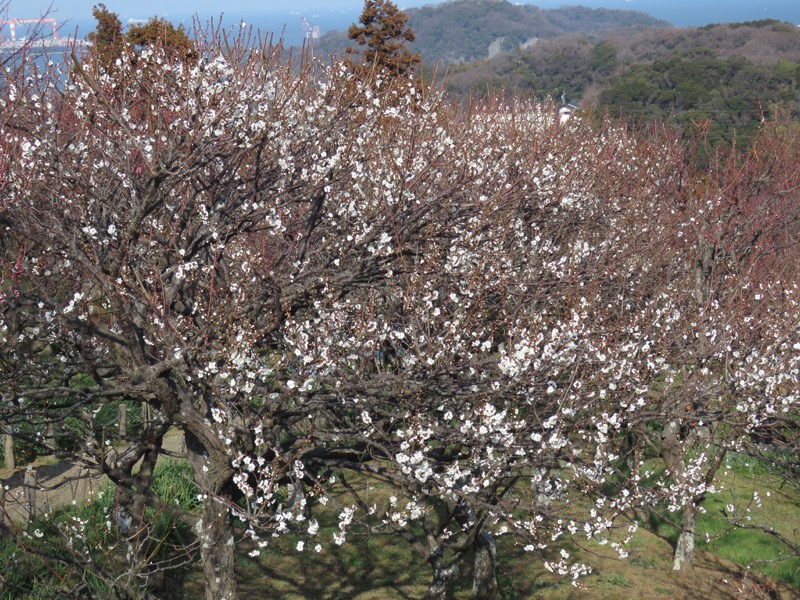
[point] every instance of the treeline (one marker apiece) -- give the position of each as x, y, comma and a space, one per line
733, 94
466, 31
565, 66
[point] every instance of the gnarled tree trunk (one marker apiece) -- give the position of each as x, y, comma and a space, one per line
215, 532
443, 574
672, 454
484, 580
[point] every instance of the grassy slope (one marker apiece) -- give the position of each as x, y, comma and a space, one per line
381, 567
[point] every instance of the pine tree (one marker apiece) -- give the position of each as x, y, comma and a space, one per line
383, 35
107, 38
161, 32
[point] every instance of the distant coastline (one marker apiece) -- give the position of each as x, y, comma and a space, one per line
284, 24
288, 24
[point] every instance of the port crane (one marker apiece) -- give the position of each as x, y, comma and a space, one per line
13, 23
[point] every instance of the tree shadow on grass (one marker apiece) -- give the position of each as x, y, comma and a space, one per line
355, 570
332, 584
715, 578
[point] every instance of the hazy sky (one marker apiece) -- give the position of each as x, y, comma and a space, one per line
680, 12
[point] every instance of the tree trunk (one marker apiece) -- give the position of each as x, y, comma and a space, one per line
540, 486
144, 479
212, 473
49, 437
215, 532
30, 482
702, 273
443, 575
684, 549
672, 454
297, 498
8, 450
484, 581
132, 493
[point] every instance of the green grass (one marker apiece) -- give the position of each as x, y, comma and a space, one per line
174, 483
371, 567
763, 552
780, 509
770, 462
663, 590
612, 580
644, 563
28, 575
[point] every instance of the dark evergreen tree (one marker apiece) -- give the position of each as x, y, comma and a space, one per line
383, 35
107, 38
160, 31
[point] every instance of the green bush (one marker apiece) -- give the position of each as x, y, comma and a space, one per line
50, 558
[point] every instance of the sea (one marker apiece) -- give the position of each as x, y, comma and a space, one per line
288, 25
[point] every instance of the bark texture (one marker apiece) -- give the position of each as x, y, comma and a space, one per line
684, 549
443, 574
8, 449
484, 582
215, 530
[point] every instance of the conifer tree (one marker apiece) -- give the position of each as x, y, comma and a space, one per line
160, 31
383, 34
107, 38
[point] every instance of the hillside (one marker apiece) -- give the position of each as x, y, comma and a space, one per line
581, 67
467, 30
731, 73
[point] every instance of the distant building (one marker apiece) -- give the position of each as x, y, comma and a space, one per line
565, 112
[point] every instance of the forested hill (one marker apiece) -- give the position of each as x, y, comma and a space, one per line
466, 30
733, 74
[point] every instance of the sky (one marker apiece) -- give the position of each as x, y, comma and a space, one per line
679, 12
83, 8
